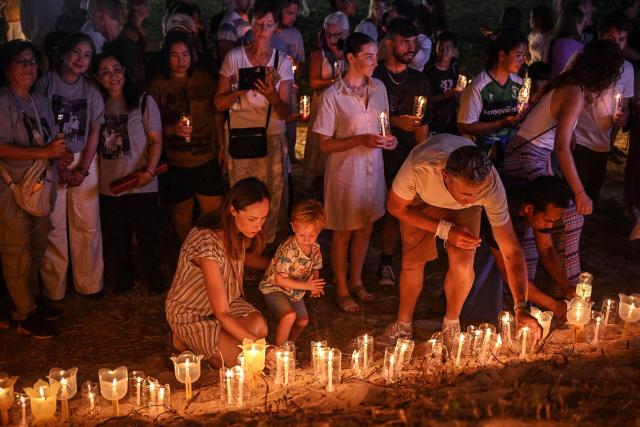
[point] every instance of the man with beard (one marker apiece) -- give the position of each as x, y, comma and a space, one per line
403, 84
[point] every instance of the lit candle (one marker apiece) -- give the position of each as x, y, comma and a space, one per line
459, 353
330, 371
161, 392
152, 393
229, 395
383, 124
294, 67
305, 107
64, 399
608, 304
240, 376
186, 122
485, 344
497, 346
355, 364
138, 390
6, 396
365, 359
392, 369
419, 104
285, 360
23, 411
618, 104
461, 83
116, 405
92, 402
43, 401
187, 380
595, 336
523, 94
523, 351
336, 69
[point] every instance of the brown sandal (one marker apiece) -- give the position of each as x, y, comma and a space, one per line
347, 304
361, 293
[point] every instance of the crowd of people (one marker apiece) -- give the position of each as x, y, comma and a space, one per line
102, 132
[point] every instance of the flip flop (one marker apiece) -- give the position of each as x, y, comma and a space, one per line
347, 304
362, 293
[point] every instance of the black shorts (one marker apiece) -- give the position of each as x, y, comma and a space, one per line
180, 184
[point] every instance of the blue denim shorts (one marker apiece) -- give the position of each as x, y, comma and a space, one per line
280, 304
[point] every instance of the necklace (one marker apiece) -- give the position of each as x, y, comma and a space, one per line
393, 80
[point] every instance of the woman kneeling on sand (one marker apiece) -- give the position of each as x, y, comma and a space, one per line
205, 306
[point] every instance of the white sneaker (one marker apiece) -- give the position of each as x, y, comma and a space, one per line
392, 333
387, 276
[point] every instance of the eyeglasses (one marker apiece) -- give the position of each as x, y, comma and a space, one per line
334, 35
24, 62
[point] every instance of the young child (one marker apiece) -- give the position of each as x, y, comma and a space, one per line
443, 76
294, 269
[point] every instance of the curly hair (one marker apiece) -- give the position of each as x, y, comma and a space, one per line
595, 69
469, 163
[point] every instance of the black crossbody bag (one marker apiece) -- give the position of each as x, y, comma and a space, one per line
250, 143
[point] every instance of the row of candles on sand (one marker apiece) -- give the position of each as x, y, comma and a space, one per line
477, 346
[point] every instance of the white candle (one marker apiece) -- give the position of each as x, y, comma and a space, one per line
498, 344
240, 386
138, 385
355, 363
595, 338
460, 343
161, 395
229, 395
618, 103
152, 393
383, 122
285, 360
92, 402
392, 368
116, 405
523, 351
606, 314
330, 371
64, 399
23, 409
187, 381
365, 360
485, 343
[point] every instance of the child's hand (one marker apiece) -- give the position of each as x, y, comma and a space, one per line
315, 285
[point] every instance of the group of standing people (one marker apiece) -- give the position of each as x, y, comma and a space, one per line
392, 137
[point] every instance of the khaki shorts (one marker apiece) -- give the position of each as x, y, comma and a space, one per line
419, 245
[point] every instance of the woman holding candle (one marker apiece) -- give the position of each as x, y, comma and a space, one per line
266, 106
79, 112
132, 118
205, 306
549, 126
184, 93
489, 104
26, 134
324, 68
348, 127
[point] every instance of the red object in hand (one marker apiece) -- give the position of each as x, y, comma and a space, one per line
130, 181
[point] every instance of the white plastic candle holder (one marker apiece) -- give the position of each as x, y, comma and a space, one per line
435, 353
6, 396
507, 329
476, 336
365, 347
254, 355
42, 397
90, 391
113, 385
544, 319
609, 311
629, 311
390, 368
319, 352
285, 371
187, 369
235, 391
68, 387
404, 351
461, 349
136, 385
594, 332
585, 286
489, 336
334, 369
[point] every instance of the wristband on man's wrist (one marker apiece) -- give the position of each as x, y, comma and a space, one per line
522, 305
443, 229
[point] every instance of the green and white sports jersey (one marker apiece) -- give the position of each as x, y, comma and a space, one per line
485, 100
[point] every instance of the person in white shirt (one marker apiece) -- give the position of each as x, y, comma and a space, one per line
369, 25
601, 118
440, 191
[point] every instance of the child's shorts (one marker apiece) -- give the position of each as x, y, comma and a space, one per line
281, 305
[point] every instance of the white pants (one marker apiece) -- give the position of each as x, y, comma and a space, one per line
76, 212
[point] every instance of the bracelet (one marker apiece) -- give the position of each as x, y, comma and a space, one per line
442, 231
83, 171
580, 192
522, 305
153, 175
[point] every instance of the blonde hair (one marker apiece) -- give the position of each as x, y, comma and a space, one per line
309, 212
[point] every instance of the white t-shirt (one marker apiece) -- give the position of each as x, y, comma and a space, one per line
421, 176
254, 104
596, 119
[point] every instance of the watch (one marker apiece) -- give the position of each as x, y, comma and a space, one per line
522, 305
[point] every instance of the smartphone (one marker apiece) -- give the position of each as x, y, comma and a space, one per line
248, 77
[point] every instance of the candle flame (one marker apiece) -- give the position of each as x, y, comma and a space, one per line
42, 392
229, 373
